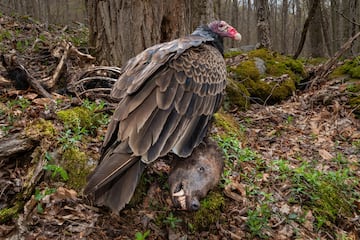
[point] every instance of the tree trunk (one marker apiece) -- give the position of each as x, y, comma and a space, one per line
121, 29
325, 28
334, 25
203, 10
263, 28
315, 33
311, 14
248, 33
284, 20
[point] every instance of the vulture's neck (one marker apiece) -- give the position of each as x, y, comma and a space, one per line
214, 39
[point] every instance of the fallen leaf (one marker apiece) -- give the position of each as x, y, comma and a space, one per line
42, 101
63, 193
325, 154
285, 209
30, 96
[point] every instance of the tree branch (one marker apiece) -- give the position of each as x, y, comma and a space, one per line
348, 19
325, 69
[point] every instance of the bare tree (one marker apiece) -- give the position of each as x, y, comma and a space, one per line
315, 32
308, 20
284, 20
263, 28
121, 29
325, 28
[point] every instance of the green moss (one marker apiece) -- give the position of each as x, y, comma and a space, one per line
270, 92
209, 212
313, 61
353, 85
283, 91
246, 70
329, 195
355, 72
262, 53
226, 123
7, 214
236, 95
40, 128
247, 82
351, 67
74, 162
230, 54
78, 117
355, 104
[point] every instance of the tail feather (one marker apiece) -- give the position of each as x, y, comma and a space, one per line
122, 188
114, 180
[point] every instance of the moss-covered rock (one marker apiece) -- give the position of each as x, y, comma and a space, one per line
75, 162
226, 124
245, 70
236, 95
282, 74
81, 118
40, 128
77, 117
350, 67
270, 92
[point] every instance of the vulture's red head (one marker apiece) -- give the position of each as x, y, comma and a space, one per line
223, 29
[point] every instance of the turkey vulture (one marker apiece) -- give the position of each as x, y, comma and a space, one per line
167, 96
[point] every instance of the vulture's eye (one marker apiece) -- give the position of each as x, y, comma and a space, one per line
222, 27
201, 169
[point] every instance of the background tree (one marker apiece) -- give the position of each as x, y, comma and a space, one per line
263, 28
121, 29
315, 31
140, 24
284, 21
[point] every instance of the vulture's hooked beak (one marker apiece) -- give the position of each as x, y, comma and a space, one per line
237, 37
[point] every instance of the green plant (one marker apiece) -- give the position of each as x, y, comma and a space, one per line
68, 139
142, 236
21, 45
329, 194
57, 170
258, 219
171, 220
23, 103
40, 195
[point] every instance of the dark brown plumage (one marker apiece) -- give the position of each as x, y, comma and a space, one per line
167, 96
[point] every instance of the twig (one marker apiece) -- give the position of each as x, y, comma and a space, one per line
81, 55
325, 69
348, 19
12, 65
51, 83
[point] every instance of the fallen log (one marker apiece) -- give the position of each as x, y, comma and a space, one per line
15, 144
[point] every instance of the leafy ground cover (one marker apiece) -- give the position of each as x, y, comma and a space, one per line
292, 169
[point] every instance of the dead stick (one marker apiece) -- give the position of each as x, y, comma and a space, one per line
82, 55
11, 64
36, 85
59, 67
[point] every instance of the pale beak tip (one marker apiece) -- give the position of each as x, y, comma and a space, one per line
237, 37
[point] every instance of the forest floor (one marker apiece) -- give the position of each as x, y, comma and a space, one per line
291, 173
